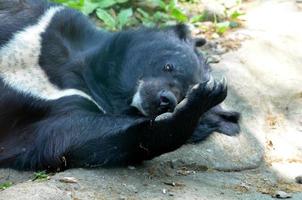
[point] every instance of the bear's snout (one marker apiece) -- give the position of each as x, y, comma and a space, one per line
167, 101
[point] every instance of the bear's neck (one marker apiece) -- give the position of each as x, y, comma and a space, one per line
102, 77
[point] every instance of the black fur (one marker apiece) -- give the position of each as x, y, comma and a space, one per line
72, 131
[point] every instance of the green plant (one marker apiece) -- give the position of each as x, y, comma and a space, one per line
231, 21
41, 176
5, 185
117, 14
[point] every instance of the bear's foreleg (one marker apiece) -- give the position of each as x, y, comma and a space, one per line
84, 139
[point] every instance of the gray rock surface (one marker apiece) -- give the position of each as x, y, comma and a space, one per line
265, 81
35, 191
265, 85
214, 10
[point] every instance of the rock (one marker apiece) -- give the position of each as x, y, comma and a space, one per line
170, 183
298, 179
213, 10
68, 180
122, 198
219, 50
214, 59
265, 85
131, 167
282, 195
264, 81
34, 191
131, 188
226, 153
230, 3
212, 43
215, 36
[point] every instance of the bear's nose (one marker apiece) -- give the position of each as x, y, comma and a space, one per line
167, 101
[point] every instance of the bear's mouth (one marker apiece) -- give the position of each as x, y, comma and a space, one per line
155, 96
152, 107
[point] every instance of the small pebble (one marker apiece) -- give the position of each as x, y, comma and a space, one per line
170, 183
164, 191
244, 186
68, 180
282, 195
220, 50
229, 3
214, 59
215, 36
131, 167
122, 198
212, 43
171, 194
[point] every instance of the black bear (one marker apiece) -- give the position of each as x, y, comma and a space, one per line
72, 95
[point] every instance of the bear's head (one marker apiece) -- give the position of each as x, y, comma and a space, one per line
145, 70
162, 65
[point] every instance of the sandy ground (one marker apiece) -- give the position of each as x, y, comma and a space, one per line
148, 183
265, 79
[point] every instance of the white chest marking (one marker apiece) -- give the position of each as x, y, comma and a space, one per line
137, 100
19, 63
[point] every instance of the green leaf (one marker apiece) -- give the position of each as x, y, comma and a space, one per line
197, 18
60, 1
89, 7
106, 3
161, 16
5, 185
40, 176
78, 4
145, 18
148, 23
172, 6
143, 13
222, 27
235, 15
106, 18
159, 3
123, 16
122, 1
179, 15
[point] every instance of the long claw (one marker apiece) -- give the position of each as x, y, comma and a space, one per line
223, 82
211, 83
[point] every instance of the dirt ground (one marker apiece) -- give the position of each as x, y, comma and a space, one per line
265, 80
147, 182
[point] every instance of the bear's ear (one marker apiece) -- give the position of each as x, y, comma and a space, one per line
183, 32
199, 42
180, 30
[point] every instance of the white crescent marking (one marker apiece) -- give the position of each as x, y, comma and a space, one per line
19, 63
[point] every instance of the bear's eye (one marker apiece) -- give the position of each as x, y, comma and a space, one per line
168, 68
